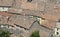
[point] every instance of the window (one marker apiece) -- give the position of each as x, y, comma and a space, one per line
29, 0
57, 31
3, 8
59, 20
40, 20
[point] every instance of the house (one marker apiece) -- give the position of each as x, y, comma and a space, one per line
29, 4
22, 21
6, 5
42, 30
51, 15
47, 9
4, 17
30, 24
14, 10
25, 11
6, 2
57, 29
3, 20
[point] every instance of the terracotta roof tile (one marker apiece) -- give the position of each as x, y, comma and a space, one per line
5, 14
3, 20
23, 21
48, 24
6, 2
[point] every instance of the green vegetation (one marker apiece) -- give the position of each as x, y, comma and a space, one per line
4, 33
35, 34
21, 35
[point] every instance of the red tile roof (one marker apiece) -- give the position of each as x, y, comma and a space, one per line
5, 14
23, 21
6, 2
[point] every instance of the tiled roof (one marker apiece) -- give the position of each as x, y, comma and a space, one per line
5, 14
6, 2
14, 10
31, 12
3, 20
48, 24
23, 21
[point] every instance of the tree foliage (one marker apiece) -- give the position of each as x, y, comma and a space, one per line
4, 33
35, 34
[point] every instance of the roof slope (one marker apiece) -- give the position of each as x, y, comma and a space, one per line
6, 2
5, 14
23, 21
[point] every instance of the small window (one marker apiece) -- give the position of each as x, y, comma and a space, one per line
57, 31
59, 20
3, 8
29, 0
